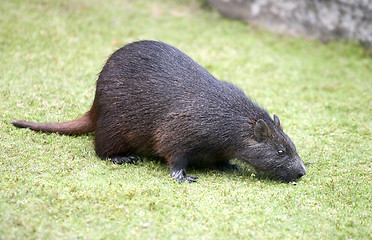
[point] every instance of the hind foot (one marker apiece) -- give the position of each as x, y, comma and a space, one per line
180, 176
121, 160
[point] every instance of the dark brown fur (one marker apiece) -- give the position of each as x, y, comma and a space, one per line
151, 99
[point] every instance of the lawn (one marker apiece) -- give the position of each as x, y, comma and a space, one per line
54, 187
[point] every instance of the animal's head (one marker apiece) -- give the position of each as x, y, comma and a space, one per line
272, 152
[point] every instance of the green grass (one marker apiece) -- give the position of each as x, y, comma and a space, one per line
54, 187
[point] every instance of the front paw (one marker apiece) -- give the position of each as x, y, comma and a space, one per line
180, 176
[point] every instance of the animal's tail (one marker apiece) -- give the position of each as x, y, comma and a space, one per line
83, 124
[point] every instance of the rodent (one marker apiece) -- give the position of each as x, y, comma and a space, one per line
151, 99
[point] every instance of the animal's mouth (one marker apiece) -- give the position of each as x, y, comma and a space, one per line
282, 175
291, 178
285, 176
292, 175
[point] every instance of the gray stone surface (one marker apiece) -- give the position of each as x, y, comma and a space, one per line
323, 19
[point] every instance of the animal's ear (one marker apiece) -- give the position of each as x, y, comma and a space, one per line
261, 130
277, 121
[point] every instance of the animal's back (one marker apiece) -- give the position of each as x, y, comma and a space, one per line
155, 71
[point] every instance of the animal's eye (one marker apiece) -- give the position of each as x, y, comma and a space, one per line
281, 152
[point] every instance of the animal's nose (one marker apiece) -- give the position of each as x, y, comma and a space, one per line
301, 173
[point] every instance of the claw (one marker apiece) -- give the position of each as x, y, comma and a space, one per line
191, 179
